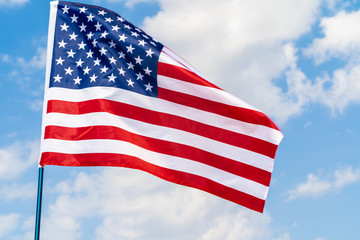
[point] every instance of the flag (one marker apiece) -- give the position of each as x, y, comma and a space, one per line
115, 96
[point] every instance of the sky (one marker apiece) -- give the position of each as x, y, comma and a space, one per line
297, 61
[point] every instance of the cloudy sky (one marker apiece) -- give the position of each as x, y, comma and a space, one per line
298, 61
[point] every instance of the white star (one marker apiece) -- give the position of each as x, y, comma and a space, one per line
127, 26
147, 71
86, 70
148, 87
112, 60
94, 42
103, 35
139, 76
138, 60
153, 43
83, 9
122, 37
104, 69
71, 53
82, 45
112, 44
65, 9
98, 26
122, 55
145, 36
68, 71
74, 18
79, 63
149, 53
62, 44
130, 83
134, 34
138, 30
115, 28
130, 48
90, 35
142, 43
109, 20
64, 27
59, 61
103, 51
112, 78
130, 65
89, 54
73, 36
93, 78
77, 80
90, 17
122, 72
97, 62
83, 27
102, 12
120, 19
57, 78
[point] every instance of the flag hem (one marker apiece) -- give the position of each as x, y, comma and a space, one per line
49, 55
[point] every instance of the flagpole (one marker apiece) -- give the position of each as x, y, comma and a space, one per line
38, 205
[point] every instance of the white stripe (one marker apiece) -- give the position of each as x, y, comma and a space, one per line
165, 58
210, 93
163, 133
162, 160
168, 56
159, 105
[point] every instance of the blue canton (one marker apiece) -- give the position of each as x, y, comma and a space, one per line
96, 47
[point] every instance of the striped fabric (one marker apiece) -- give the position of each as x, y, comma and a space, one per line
192, 133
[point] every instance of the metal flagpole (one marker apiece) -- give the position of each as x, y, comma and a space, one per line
38, 205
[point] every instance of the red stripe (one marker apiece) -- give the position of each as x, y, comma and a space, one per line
241, 114
186, 179
160, 146
185, 75
166, 120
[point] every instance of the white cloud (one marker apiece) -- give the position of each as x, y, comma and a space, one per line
336, 92
132, 3
5, 58
316, 187
36, 105
335, 88
341, 40
341, 37
285, 236
313, 187
239, 226
16, 158
12, 3
8, 223
38, 61
346, 176
240, 45
23, 70
345, 88
16, 191
130, 204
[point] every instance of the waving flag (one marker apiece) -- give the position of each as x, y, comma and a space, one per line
114, 96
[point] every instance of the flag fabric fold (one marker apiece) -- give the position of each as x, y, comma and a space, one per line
114, 96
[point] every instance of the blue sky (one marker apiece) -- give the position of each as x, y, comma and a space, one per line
298, 61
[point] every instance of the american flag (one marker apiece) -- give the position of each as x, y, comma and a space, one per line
114, 96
